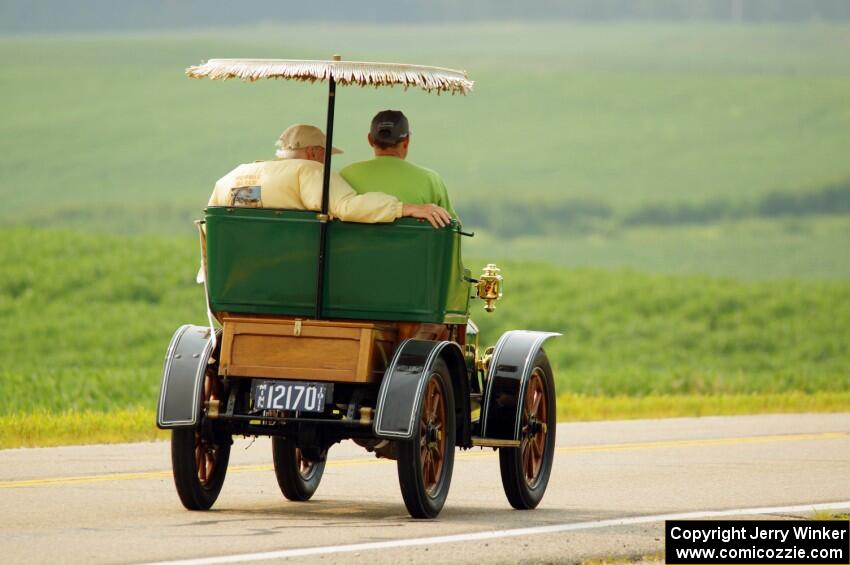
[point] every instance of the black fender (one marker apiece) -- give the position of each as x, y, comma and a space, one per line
182, 385
510, 368
400, 395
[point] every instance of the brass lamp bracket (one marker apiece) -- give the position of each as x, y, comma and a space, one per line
489, 287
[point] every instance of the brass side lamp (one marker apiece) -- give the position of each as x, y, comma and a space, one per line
489, 287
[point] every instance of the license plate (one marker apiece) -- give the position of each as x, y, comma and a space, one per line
291, 395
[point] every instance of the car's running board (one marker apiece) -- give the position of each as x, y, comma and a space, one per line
492, 442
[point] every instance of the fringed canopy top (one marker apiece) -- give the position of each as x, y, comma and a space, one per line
344, 72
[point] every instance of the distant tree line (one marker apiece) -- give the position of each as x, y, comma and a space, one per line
512, 219
18, 16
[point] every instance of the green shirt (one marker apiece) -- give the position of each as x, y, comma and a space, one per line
409, 183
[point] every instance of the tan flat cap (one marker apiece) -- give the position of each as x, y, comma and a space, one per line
301, 136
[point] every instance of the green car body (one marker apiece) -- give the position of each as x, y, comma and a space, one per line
263, 261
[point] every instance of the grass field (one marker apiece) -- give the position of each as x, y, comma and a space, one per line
753, 249
633, 333
675, 199
85, 319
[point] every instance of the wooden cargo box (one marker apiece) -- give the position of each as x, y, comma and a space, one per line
319, 350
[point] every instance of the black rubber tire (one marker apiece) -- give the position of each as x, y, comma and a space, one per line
287, 469
194, 494
521, 495
420, 504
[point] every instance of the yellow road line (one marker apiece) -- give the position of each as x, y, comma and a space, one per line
673, 444
668, 444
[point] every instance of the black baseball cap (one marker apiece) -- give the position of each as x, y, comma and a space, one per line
389, 126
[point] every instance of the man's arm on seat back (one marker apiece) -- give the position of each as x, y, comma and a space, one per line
345, 203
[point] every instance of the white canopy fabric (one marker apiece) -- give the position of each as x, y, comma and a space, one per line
431, 79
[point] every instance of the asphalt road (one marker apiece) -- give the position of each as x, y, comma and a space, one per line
612, 485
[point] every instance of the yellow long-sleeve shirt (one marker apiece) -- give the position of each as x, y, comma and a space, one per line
296, 184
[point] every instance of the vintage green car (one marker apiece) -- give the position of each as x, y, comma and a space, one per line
315, 341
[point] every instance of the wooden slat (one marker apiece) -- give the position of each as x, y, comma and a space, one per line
277, 320
364, 356
287, 328
299, 374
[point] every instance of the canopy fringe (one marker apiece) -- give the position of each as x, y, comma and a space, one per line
344, 72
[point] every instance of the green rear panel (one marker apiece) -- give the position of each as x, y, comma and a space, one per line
264, 262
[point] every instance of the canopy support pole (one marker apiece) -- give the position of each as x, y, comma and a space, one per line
326, 186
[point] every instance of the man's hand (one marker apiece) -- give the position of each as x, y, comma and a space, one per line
437, 216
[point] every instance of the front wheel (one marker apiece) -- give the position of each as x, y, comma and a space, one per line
297, 477
425, 462
526, 469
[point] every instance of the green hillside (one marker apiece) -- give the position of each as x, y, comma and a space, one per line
105, 132
85, 320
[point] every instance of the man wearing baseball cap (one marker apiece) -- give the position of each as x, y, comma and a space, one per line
293, 181
389, 172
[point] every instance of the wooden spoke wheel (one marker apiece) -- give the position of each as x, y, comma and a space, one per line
525, 469
199, 456
425, 462
297, 477
533, 430
432, 439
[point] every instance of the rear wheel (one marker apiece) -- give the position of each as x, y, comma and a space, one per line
297, 477
199, 458
425, 462
526, 469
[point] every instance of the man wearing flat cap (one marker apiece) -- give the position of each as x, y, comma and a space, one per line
293, 181
390, 172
